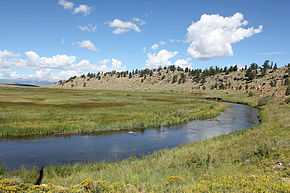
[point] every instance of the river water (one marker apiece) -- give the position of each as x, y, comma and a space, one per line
38, 152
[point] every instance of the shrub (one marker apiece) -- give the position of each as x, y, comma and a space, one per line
174, 79
287, 100
288, 90
250, 94
263, 100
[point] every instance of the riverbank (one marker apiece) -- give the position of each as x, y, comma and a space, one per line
254, 160
33, 112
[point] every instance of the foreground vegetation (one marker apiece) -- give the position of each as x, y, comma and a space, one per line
42, 111
254, 160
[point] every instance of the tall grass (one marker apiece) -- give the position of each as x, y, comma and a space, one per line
240, 162
42, 111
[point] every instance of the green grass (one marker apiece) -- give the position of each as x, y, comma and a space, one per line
240, 162
43, 111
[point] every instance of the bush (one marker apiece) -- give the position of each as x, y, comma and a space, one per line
287, 100
263, 100
288, 90
174, 79
250, 94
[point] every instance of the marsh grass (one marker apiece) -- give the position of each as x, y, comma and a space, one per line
239, 162
43, 111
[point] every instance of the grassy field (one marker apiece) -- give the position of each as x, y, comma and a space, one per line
42, 111
245, 161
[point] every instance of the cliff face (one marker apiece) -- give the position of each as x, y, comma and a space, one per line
269, 82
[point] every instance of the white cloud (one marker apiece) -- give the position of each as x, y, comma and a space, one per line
6, 54
60, 61
117, 65
88, 28
121, 26
107, 65
139, 21
66, 4
159, 59
32, 56
155, 46
213, 35
49, 74
83, 9
30, 65
183, 63
87, 44
104, 65
6, 59
57, 61
158, 45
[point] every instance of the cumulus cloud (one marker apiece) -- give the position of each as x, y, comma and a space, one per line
30, 65
117, 65
156, 46
183, 63
6, 54
213, 35
83, 9
104, 65
88, 28
66, 4
6, 58
57, 61
160, 59
32, 56
119, 26
87, 44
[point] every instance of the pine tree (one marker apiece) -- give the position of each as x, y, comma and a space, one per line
288, 90
174, 79
251, 74
130, 75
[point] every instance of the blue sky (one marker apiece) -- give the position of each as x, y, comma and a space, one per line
43, 39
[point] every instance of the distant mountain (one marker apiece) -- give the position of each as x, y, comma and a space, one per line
26, 82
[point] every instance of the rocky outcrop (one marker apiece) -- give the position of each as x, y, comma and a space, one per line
272, 83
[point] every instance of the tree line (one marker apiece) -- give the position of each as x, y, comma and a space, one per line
197, 75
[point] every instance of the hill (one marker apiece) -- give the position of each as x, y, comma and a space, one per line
264, 80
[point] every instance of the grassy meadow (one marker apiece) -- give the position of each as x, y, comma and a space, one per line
245, 161
43, 111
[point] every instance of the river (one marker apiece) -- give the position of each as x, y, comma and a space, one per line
16, 153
